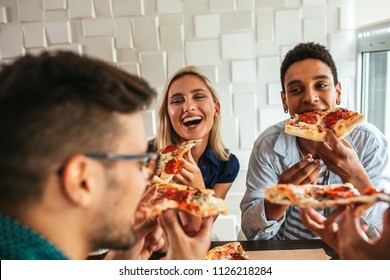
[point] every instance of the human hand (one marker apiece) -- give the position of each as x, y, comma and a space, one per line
307, 171
149, 237
182, 245
340, 157
326, 228
190, 174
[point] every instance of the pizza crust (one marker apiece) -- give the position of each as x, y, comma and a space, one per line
229, 251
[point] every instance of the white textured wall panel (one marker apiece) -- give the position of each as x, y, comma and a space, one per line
270, 116
153, 68
169, 6
127, 56
132, 68
314, 2
98, 27
238, 45
55, 4
244, 71
268, 72
224, 228
30, 10
205, 52
225, 96
222, 5
127, 8
123, 33
81, 8
175, 61
103, 8
288, 27
343, 45
273, 93
77, 48
172, 37
230, 131
207, 26
3, 15
58, 32
314, 11
245, 5
101, 47
245, 110
237, 21
314, 30
145, 33
265, 25
11, 39
34, 35
149, 118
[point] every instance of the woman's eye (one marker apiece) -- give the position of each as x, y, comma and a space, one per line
175, 101
199, 96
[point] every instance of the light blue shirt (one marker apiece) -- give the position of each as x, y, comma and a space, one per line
275, 151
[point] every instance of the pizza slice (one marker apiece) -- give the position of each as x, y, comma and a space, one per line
229, 251
316, 124
319, 196
201, 203
170, 162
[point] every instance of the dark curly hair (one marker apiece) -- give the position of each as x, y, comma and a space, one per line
304, 51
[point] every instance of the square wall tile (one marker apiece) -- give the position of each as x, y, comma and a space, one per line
58, 32
172, 37
146, 33
207, 26
277, 4
292, 34
224, 72
269, 116
175, 61
55, 4
246, 112
343, 45
123, 33
347, 17
34, 35
244, 71
230, 131
314, 11
237, 21
101, 47
222, 5
239, 185
314, 30
30, 10
169, 6
238, 45
171, 19
233, 199
245, 5
153, 68
81, 9
127, 56
205, 52
224, 228
273, 92
127, 8
132, 68
265, 25
268, 72
149, 118
226, 99
98, 27
11, 41
103, 8
3, 15
211, 72
56, 15
314, 2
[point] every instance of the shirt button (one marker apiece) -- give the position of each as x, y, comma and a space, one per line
203, 167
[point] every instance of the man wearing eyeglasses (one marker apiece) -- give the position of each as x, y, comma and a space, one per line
73, 163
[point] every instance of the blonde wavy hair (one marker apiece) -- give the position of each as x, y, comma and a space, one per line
167, 135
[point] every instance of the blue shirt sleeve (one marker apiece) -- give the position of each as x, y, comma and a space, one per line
229, 170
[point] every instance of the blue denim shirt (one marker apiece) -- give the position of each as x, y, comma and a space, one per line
215, 171
275, 151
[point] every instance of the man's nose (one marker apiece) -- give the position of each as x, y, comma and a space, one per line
311, 96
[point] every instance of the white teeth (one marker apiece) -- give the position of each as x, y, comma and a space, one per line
191, 119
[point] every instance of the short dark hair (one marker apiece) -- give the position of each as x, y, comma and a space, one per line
53, 106
304, 51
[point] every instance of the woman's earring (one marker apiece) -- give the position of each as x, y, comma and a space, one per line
286, 111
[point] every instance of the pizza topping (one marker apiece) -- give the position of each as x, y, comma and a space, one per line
341, 191
229, 251
174, 166
170, 148
308, 117
333, 117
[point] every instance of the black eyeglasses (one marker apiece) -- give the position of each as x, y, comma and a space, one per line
149, 160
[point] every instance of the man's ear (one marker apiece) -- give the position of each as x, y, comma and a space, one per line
76, 180
338, 91
284, 100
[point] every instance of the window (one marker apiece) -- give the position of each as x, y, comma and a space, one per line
374, 62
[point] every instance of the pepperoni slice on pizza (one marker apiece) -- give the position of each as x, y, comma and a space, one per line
229, 251
170, 162
316, 124
201, 203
